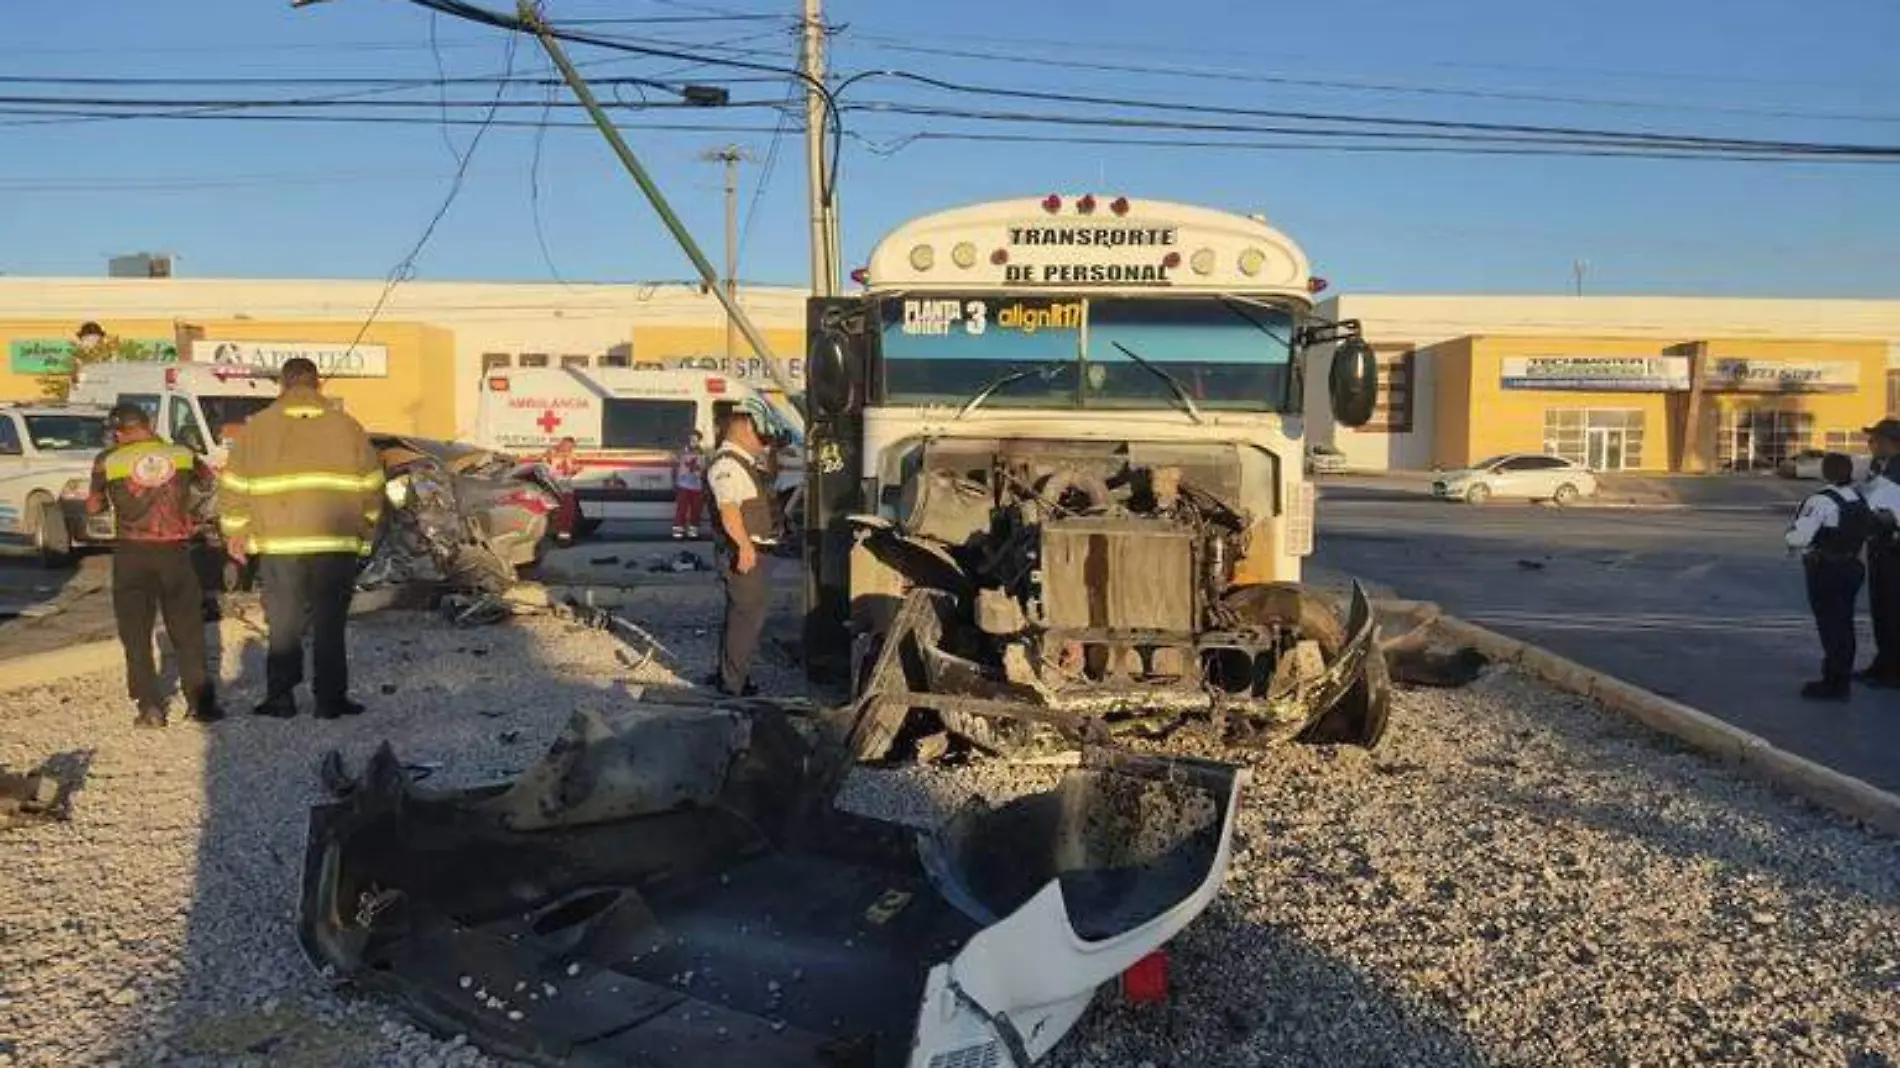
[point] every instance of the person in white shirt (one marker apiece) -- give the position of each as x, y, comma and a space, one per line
1882, 493
689, 488
1828, 531
743, 531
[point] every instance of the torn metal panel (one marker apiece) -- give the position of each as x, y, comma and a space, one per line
750, 922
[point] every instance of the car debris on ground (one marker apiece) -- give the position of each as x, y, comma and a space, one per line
1509, 856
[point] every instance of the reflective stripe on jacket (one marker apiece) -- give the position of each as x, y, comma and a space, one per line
302, 479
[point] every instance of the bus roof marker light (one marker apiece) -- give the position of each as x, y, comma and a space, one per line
1000, 257
498, 384
1119, 205
1251, 262
1087, 204
861, 275
922, 257
964, 255
1202, 261
1316, 284
1052, 203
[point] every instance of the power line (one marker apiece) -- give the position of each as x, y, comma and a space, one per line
361, 120
897, 145
405, 268
1457, 133
1184, 107
898, 44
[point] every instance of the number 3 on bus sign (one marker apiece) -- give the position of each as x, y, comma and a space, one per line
976, 316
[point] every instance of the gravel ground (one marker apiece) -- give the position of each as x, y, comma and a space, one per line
1514, 878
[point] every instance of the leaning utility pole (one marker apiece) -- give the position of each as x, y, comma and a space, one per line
731, 156
531, 18
824, 227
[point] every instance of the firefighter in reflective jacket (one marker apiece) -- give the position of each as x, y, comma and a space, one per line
303, 490
1829, 530
148, 486
743, 534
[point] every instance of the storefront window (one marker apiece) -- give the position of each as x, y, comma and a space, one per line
1602, 439
1756, 439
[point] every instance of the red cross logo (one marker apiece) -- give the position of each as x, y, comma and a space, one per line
548, 422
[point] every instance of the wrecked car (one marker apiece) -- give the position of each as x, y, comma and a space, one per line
674, 886
459, 515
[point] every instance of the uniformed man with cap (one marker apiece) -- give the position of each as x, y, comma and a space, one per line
1882, 494
1828, 531
148, 485
744, 534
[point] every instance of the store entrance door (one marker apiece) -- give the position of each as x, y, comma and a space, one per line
1605, 448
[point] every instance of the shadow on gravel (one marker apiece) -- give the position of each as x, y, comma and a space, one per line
471, 706
1246, 994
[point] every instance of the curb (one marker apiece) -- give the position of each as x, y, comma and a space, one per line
44, 669
1846, 795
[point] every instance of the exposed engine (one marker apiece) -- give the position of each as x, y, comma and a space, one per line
1091, 589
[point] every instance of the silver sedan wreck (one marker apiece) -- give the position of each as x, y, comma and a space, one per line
675, 887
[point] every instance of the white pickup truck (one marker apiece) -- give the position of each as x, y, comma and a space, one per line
44, 448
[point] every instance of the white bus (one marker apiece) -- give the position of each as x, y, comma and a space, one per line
1072, 427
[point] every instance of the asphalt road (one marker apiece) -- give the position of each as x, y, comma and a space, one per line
1703, 606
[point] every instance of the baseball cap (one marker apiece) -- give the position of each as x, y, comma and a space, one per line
1886, 428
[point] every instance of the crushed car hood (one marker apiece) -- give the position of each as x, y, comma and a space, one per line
673, 886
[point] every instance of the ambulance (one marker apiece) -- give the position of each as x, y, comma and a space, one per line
199, 406
628, 425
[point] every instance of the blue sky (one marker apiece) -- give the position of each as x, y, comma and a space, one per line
264, 199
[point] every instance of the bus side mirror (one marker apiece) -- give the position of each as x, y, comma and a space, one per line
828, 374
1353, 382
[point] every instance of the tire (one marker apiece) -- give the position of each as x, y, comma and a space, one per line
1566, 494
51, 539
1478, 494
1360, 717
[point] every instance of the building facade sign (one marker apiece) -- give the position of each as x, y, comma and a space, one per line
1784, 376
1598, 374
748, 368
54, 356
332, 360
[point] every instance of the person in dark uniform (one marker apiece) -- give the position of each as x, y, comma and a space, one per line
1829, 531
148, 484
1881, 491
743, 535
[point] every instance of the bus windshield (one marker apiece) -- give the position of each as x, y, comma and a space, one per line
1225, 353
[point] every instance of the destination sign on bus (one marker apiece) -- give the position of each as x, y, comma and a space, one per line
1026, 328
1131, 255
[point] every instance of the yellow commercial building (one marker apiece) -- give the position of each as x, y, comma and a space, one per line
1622, 405
400, 377
1619, 383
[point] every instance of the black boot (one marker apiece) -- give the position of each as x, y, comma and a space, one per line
338, 709
207, 710
150, 715
282, 706
1826, 690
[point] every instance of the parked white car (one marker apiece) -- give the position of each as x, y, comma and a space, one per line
1806, 464
1517, 476
42, 448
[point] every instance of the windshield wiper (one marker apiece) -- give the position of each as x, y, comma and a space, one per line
1047, 370
1193, 410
